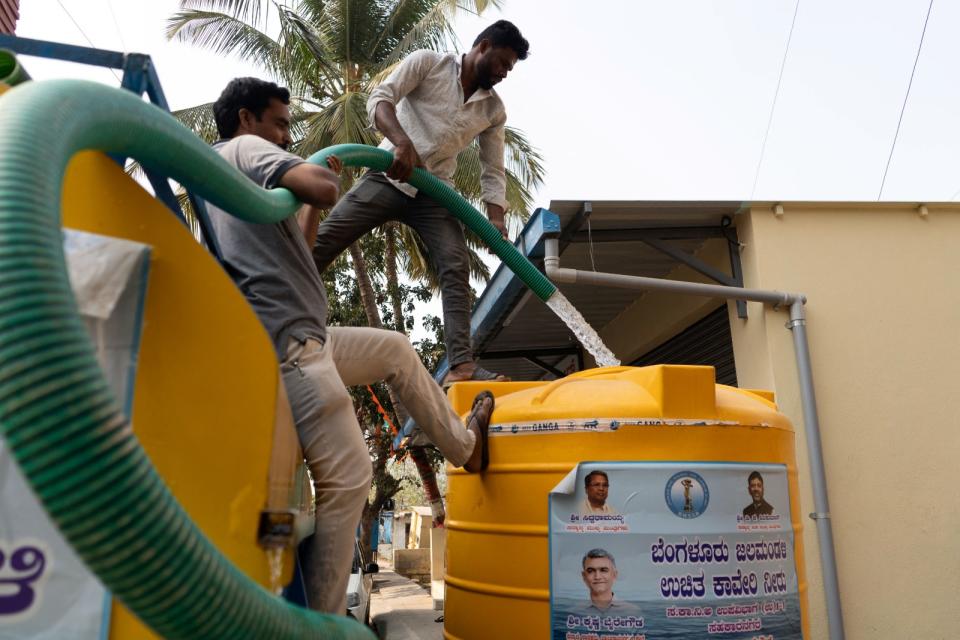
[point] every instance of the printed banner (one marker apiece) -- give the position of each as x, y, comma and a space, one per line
46, 592
649, 550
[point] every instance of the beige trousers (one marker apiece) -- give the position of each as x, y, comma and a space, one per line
316, 376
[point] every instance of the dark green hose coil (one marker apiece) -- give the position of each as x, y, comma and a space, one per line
60, 420
358, 155
10, 70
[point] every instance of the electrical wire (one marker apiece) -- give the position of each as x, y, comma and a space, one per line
593, 264
905, 98
116, 25
776, 94
85, 36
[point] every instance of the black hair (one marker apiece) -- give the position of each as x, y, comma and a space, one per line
598, 553
252, 94
755, 474
586, 479
504, 33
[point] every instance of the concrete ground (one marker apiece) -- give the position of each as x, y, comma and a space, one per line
400, 609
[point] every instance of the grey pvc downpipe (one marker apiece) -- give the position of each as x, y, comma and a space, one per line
808, 398
797, 325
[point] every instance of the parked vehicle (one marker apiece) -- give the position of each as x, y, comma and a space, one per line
360, 586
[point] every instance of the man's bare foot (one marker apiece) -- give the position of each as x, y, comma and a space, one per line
478, 422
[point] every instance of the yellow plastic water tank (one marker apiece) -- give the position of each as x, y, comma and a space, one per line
498, 576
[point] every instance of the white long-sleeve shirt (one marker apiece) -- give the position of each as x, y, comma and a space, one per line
426, 92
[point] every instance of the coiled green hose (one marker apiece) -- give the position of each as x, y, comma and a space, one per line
10, 70
358, 155
57, 414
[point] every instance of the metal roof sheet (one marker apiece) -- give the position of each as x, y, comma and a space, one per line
607, 240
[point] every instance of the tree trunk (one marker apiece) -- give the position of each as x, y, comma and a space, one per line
385, 486
419, 455
393, 282
367, 296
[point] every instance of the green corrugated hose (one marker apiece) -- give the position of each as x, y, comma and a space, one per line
10, 70
57, 414
59, 418
358, 155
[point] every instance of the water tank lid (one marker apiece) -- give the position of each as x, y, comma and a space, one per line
670, 392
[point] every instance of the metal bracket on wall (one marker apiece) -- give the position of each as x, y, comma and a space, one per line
573, 227
733, 250
658, 238
533, 356
695, 263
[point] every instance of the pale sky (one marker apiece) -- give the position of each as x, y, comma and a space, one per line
637, 100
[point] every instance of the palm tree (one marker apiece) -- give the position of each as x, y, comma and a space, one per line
331, 55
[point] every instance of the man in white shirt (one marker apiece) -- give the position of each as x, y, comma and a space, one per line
429, 109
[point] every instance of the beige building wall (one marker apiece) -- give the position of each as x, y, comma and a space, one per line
883, 288
883, 285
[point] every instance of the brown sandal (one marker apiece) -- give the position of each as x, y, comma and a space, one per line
479, 375
480, 416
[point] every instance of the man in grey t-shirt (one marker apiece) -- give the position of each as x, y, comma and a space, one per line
273, 267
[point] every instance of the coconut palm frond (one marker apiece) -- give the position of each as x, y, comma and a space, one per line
200, 120
478, 6
304, 58
347, 28
312, 10
466, 178
341, 121
191, 217
226, 35
408, 15
478, 268
389, 27
523, 159
299, 120
135, 170
520, 201
356, 127
433, 30
248, 11
521, 179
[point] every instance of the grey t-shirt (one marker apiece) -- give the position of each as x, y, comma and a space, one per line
270, 263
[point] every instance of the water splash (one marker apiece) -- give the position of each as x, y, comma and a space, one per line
275, 564
582, 329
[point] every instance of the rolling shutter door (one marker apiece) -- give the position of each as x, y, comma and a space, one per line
706, 342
